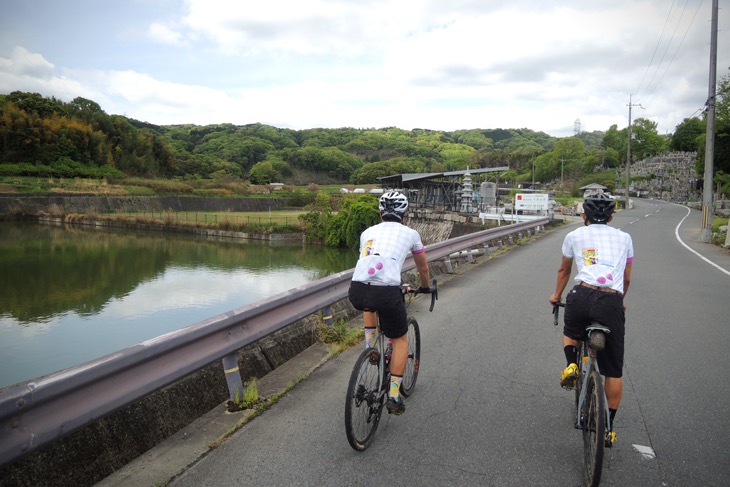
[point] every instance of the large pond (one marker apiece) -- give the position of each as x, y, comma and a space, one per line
72, 294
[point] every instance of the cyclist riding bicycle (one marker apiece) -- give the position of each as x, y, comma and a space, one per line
376, 284
603, 257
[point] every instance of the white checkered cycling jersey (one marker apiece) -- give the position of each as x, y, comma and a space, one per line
383, 250
600, 253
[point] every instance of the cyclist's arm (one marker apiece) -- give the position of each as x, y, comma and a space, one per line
422, 266
566, 265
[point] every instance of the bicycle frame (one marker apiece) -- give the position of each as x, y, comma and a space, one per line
588, 363
381, 342
367, 389
591, 417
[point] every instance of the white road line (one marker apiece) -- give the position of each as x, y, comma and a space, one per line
676, 234
646, 451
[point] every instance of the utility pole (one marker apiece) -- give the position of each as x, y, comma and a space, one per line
706, 233
628, 152
533, 174
561, 172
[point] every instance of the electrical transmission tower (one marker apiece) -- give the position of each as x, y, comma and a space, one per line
576, 126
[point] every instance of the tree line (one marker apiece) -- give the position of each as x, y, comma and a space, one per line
44, 136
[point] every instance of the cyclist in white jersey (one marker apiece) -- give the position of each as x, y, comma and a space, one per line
603, 257
376, 284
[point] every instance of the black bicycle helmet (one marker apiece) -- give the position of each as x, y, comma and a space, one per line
599, 207
393, 204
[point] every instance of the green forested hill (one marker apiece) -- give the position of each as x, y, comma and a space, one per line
42, 136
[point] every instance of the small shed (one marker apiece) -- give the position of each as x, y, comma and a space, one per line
593, 188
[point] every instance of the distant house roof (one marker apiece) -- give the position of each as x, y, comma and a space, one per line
594, 186
407, 177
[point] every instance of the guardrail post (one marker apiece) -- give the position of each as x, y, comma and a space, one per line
233, 377
486, 249
469, 257
500, 244
449, 269
511, 240
327, 316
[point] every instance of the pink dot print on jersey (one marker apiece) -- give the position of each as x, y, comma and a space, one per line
609, 277
601, 280
379, 265
371, 271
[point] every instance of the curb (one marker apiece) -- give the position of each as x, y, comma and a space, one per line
159, 465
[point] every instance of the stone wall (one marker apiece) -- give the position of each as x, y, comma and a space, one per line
104, 204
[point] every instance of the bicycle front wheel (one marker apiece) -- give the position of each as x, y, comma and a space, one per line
594, 428
364, 401
413, 362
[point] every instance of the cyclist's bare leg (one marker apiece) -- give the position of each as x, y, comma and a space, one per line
370, 318
400, 355
614, 389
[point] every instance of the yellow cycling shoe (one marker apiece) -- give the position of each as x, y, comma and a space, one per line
569, 377
611, 438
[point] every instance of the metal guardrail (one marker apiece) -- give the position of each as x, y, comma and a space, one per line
40, 411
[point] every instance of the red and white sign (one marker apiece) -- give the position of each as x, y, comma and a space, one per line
532, 202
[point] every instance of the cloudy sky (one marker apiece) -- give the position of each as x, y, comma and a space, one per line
436, 64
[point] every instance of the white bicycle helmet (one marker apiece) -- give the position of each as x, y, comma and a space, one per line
393, 203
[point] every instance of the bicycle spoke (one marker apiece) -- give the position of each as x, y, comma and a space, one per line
364, 402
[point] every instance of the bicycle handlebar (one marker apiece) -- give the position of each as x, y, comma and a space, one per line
433, 291
556, 312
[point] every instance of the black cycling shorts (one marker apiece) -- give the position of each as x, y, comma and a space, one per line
387, 301
584, 305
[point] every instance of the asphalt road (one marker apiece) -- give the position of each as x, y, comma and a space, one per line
488, 409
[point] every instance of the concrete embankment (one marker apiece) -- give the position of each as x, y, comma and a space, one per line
104, 204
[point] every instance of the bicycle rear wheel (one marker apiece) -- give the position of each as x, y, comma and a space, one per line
582, 356
413, 362
594, 428
364, 401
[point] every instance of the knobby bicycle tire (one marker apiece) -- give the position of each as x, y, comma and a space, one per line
594, 429
413, 362
364, 401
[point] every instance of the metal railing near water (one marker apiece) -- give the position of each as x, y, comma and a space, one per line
38, 412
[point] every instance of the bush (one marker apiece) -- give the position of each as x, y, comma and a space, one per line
354, 216
162, 186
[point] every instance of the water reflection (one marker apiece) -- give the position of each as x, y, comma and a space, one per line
73, 294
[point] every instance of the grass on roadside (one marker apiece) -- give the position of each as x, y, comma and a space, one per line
340, 336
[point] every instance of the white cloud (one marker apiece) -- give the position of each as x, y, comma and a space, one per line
25, 63
165, 34
405, 63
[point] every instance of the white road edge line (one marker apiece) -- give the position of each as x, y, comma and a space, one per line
676, 234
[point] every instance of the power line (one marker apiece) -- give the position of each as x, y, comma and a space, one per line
656, 48
671, 39
666, 69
